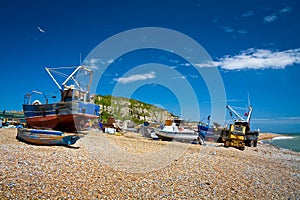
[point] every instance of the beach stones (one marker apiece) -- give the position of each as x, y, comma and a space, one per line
42, 172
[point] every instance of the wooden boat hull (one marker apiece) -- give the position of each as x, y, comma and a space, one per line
46, 137
63, 116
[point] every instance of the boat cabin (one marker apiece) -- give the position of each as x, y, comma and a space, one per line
70, 94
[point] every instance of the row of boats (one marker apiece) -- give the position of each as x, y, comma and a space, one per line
176, 130
60, 123
237, 134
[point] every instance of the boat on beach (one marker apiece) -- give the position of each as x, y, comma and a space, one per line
173, 131
211, 132
180, 137
75, 108
46, 137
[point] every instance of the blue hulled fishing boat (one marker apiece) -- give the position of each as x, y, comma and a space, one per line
75, 108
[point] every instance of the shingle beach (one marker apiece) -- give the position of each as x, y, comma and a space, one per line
101, 166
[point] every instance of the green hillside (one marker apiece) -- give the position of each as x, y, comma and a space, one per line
122, 108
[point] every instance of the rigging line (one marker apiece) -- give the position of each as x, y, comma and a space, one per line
55, 68
75, 81
59, 73
239, 108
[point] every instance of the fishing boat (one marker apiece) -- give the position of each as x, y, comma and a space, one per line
179, 137
46, 137
210, 131
75, 108
173, 131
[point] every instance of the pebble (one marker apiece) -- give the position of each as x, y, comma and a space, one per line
55, 172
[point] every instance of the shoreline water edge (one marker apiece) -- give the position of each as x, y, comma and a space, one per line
284, 141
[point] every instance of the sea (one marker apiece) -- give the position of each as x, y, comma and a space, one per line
286, 141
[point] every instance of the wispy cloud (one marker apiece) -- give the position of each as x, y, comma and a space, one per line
282, 120
227, 29
257, 59
248, 13
179, 77
135, 77
186, 76
185, 64
40, 29
233, 29
273, 17
110, 61
270, 18
286, 9
242, 31
94, 63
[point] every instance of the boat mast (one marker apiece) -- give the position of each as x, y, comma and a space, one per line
240, 118
250, 109
249, 114
91, 79
235, 113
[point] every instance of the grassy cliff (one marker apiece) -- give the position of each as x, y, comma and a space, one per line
130, 109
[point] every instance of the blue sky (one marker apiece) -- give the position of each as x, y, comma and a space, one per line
254, 45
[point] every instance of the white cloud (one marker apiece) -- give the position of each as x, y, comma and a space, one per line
282, 120
193, 76
174, 61
40, 29
248, 13
110, 61
270, 18
179, 77
286, 9
94, 60
257, 59
185, 64
94, 63
227, 29
208, 64
273, 17
135, 77
242, 31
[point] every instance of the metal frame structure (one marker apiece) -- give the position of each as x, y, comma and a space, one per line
72, 77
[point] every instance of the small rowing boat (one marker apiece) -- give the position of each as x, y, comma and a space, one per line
46, 137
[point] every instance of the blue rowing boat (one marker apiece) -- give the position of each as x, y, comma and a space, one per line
46, 137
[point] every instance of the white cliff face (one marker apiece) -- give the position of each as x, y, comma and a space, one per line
122, 108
